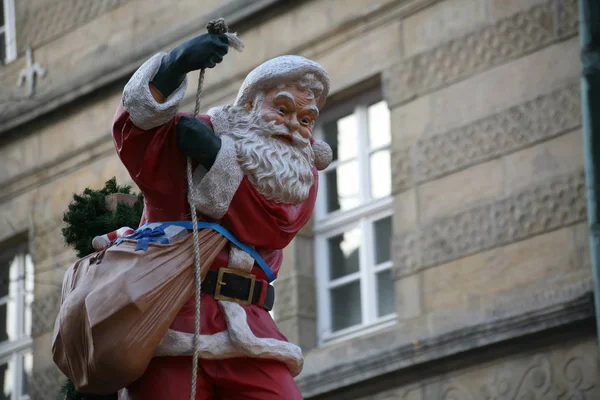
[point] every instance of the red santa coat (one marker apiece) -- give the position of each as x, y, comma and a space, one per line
145, 139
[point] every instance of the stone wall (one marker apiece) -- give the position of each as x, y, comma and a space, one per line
490, 239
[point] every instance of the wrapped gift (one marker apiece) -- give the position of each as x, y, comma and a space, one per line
157, 232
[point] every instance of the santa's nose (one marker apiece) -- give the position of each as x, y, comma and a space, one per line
292, 123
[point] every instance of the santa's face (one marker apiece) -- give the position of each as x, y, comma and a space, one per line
273, 142
294, 108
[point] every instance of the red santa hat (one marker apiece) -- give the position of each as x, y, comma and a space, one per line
289, 69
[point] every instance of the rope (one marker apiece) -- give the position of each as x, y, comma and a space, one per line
216, 26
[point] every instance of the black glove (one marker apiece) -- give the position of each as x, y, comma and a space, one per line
197, 140
204, 51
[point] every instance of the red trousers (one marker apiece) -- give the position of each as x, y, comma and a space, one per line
169, 378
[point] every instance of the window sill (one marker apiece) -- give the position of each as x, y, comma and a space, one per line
358, 330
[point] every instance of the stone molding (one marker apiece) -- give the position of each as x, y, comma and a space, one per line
68, 162
550, 205
515, 128
59, 17
547, 116
473, 334
46, 383
455, 60
44, 311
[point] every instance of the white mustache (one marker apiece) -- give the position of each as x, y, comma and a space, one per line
271, 129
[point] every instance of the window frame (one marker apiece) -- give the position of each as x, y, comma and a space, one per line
15, 350
10, 37
327, 225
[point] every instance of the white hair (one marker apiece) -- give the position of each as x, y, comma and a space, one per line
279, 171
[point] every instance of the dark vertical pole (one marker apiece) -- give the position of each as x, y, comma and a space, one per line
589, 31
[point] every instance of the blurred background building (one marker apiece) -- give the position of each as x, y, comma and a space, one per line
448, 256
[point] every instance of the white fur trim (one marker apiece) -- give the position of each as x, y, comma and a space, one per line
145, 112
252, 346
280, 70
217, 346
239, 259
213, 191
323, 154
238, 341
219, 117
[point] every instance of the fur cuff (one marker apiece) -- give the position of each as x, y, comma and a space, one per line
145, 112
213, 191
238, 341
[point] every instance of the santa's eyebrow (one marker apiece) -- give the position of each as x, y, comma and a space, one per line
312, 109
285, 95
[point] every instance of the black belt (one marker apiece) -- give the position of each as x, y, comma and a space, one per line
240, 287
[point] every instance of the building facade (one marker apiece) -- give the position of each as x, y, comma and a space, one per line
448, 255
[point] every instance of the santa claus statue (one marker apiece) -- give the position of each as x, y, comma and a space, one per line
255, 174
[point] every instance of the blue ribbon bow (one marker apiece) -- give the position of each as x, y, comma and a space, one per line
145, 235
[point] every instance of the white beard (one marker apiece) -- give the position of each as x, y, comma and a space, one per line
279, 171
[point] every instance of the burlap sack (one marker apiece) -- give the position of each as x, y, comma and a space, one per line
118, 304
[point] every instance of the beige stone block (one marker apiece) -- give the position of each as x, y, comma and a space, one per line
341, 11
42, 354
440, 23
15, 216
408, 292
410, 122
521, 264
499, 9
168, 15
405, 211
80, 129
19, 156
582, 245
505, 86
362, 57
289, 260
461, 190
559, 156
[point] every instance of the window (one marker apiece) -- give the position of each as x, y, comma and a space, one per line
353, 220
8, 44
16, 295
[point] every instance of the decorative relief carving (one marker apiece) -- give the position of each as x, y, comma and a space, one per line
542, 208
478, 51
402, 176
525, 124
44, 312
573, 375
457, 236
45, 383
568, 17
58, 18
553, 204
453, 390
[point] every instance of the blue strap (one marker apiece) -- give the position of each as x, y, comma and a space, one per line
145, 235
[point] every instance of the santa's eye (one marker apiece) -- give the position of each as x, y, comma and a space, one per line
306, 121
281, 110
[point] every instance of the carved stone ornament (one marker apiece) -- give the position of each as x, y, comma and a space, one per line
507, 131
555, 203
508, 39
30, 73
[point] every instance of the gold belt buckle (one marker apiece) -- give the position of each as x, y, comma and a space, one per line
220, 283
